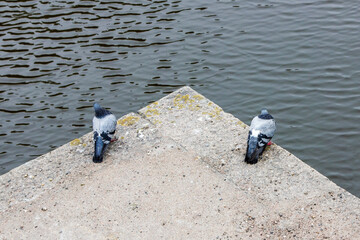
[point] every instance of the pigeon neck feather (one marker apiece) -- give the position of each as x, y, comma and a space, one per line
101, 112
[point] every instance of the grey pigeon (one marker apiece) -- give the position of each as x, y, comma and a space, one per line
262, 129
104, 126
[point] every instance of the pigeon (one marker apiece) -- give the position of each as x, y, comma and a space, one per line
104, 126
262, 129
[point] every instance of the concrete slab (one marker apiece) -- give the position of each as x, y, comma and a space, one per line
177, 172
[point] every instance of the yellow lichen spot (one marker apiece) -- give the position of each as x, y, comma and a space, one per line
155, 103
210, 103
218, 110
75, 142
181, 101
186, 99
151, 112
157, 122
215, 113
128, 121
211, 114
194, 108
122, 138
177, 98
181, 106
241, 124
84, 145
198, 97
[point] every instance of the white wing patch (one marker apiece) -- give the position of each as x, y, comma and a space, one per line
255, 133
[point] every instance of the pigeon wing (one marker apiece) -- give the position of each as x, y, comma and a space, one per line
105, 126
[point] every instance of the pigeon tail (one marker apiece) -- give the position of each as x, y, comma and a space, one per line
253, 150
99, 150
254, 157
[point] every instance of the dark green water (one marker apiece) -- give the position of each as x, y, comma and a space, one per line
300, 59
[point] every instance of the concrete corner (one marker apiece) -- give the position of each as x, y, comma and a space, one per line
176, 172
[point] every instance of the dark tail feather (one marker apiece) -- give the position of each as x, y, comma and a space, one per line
99, 150
255, 155
253, 151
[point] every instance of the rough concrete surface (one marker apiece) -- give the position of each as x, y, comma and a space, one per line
176, 172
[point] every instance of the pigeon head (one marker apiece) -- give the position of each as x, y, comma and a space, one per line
265, 114
264, 111
99, 111
96, 106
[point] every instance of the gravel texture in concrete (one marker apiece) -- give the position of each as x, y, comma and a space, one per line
176, 172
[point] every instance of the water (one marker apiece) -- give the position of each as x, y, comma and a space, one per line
298, 58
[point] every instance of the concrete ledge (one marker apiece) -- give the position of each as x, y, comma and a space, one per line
176, 173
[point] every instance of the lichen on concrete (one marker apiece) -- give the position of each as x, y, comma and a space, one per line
128, 120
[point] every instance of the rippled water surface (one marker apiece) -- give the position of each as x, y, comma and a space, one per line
301, 59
